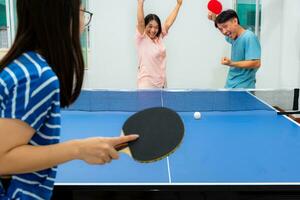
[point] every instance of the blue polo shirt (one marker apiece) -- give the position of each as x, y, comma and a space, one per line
245, 47
29, 91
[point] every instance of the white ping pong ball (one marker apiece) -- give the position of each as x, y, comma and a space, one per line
197, 115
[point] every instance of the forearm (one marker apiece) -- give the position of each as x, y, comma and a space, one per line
27, 158
246, 64
172, 17
140, 14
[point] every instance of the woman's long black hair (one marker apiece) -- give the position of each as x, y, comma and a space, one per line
52, 28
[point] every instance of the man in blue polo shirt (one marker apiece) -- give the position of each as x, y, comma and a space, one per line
245, 50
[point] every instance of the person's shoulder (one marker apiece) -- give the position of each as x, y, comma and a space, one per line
250, 37
249, 34
29, 67
139, 35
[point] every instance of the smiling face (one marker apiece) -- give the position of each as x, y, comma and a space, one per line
152, 26
152, 29
229, 28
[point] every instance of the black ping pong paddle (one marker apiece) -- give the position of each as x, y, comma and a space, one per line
160, 131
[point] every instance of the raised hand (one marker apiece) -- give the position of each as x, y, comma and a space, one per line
211, 16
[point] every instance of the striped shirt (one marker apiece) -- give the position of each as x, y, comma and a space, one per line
29, 91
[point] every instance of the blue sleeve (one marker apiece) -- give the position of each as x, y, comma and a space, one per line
27, 102
252, 48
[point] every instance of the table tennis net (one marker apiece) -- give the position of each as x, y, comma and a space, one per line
185, 100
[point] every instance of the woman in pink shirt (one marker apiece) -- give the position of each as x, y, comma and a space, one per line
151, 50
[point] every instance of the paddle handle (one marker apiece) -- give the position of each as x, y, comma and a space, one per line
123, 148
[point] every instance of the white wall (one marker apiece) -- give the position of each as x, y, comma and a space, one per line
290, 63
280, 39
194, 46
271, 32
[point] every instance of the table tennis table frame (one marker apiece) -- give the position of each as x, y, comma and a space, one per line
201, 187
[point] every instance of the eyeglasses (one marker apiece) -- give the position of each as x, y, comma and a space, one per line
87, 17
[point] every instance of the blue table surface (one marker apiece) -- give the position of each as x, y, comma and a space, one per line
224, 147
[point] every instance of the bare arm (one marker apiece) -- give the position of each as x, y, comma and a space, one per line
16, 156
172, 17
140, 17
246, 64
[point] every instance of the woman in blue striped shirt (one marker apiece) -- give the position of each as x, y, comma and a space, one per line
42, 72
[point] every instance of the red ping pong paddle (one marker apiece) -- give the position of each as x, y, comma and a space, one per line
215, 6
160, 131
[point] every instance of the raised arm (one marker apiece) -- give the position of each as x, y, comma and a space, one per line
171, 18
140, 17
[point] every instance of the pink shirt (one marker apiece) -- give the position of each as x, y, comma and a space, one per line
151, 60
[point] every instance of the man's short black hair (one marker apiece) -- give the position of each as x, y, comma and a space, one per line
226, 16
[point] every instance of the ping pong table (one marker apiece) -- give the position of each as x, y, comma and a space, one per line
240, 143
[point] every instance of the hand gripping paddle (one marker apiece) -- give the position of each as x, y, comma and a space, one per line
160, 131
